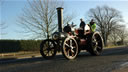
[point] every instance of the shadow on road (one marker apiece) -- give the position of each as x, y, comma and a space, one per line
39, 59
115, 51
106, 52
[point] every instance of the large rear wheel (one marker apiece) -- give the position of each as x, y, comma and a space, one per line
48, 49
95, 44
70, 48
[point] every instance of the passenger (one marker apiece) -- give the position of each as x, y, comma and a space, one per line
93, 25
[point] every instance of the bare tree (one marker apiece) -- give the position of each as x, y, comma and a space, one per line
113, 37
118, 35
122, 34
3, 25
107, 20
40, 18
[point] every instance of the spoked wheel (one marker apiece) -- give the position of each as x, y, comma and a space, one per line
95, 44
70, 48
48, 49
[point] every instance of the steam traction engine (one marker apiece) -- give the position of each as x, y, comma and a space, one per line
70, 41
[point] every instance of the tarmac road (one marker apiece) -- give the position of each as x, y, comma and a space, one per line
112, 60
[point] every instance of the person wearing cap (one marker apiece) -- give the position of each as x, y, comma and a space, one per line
82, 24
93, 25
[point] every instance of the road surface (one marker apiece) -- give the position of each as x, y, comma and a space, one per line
111, 60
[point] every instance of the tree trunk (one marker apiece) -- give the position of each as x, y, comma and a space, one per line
104, 39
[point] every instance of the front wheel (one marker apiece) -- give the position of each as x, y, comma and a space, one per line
48, 49
70, 48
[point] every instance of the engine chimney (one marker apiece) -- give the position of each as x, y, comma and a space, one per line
60, 18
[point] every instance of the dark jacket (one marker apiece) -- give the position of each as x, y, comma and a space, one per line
82, 25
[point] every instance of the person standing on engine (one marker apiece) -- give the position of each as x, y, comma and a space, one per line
82, 24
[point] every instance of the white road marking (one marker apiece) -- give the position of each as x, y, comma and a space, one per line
124, 64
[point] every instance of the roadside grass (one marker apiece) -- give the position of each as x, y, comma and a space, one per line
16, 54
114, 46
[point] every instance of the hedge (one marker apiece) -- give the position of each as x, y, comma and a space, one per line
19, 45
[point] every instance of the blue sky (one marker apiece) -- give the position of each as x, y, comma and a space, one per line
11, 9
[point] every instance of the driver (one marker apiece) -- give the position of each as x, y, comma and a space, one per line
67, 28
82, 24
82, 28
